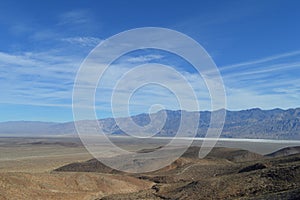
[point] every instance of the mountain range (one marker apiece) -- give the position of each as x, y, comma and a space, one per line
252, 123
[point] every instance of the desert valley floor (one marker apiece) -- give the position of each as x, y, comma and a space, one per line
61, 168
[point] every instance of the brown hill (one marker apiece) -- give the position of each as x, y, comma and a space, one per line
223, 174
217, 155
66, 186
279, 178
285, 152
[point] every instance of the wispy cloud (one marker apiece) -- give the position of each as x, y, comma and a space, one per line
145, 58
83, 41
74, 17
36, 78
78, 22
46, 79
121, 79
266, 82
265, 70
262, 60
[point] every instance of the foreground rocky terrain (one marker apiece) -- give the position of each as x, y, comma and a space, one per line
61, 168
66, 186
26, 166
224, 174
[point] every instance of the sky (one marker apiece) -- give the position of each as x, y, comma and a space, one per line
254, 44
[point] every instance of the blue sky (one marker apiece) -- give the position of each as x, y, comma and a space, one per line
255, 45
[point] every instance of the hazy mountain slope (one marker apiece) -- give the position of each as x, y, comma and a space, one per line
25, 127
252, 123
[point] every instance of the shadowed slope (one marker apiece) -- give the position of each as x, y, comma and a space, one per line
285, 152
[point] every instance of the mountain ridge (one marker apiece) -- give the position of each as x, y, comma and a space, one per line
252, 123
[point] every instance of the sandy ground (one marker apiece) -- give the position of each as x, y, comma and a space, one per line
39, 158
26, 172
26, 166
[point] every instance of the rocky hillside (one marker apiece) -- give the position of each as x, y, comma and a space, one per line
224, 174
285, 152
